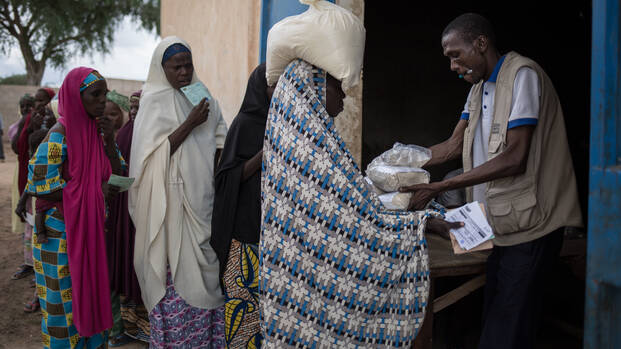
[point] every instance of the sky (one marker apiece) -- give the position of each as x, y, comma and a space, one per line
129, 57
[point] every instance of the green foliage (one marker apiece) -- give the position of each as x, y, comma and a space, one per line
16, 79
148, 14
53, 30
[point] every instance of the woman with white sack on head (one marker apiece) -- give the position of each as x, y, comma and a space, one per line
338, 270
172, 160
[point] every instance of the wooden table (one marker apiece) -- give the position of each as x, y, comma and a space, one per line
443, 263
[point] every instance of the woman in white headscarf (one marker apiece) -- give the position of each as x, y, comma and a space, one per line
172, 160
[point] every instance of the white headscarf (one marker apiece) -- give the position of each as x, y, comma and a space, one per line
172, 197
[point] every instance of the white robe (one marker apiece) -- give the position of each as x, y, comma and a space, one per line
171, 199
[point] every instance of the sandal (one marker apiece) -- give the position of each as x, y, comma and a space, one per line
119, 340
24, 270
32, 306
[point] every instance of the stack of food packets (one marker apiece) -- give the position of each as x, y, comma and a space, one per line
398, 167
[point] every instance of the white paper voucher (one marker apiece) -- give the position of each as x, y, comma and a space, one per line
476, 229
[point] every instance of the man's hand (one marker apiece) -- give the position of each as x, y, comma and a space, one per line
421, 194
441, 227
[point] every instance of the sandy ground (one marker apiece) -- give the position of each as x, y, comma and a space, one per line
17, 329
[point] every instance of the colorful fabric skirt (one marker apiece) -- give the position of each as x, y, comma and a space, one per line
242, 316
53, 279
176, 324
135, 320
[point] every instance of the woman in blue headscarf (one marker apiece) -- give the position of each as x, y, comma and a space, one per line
174, 148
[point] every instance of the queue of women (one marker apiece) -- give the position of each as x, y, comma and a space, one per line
262, 235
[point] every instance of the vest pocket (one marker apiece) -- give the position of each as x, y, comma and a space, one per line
500, 216
494, 144
512, 215
526, 211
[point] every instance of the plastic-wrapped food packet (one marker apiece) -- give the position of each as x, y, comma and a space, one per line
373, 188
408, 155
396, 200
391, 178
398, 167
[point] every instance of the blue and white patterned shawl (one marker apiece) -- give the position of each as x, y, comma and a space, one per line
337, 269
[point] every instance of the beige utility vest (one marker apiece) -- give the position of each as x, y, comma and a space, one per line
544, 198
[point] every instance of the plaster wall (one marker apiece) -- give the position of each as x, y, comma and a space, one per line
224, 38
349, 122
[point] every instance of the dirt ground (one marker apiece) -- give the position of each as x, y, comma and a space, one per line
17, 329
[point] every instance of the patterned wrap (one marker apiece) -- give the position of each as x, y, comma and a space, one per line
337, 269
176, 324
135, 320
242, 318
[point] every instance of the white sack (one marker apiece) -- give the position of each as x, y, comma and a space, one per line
326, 35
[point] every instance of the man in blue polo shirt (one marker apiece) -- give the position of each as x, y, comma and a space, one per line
512, 140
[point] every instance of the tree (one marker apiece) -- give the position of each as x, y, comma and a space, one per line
15, 79
51, 31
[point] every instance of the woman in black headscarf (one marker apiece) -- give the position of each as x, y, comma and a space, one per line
236, 220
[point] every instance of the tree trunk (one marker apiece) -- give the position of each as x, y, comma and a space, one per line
34, 73
34, 67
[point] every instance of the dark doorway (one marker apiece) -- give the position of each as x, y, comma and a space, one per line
411, 96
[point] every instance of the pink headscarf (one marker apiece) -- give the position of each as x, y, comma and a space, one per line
84, 208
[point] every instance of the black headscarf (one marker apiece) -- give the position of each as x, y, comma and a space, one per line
237, 204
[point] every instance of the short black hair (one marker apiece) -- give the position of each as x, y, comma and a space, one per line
470, 26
